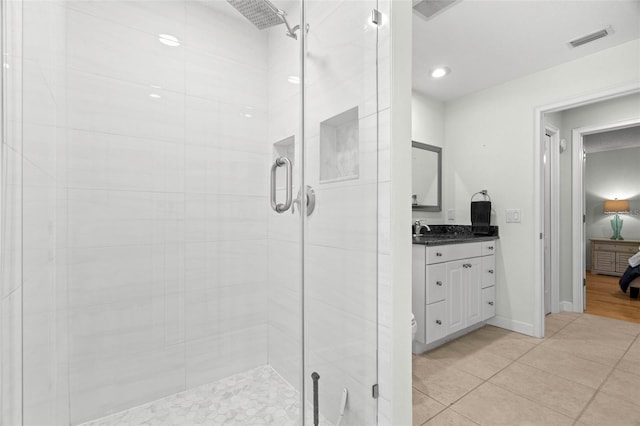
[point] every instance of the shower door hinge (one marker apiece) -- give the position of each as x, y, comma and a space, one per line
374, 391
376, 17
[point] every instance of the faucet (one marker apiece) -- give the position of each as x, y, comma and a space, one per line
417, 225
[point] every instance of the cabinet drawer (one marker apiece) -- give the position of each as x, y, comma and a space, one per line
488, 271
488, 302
448, 253
436, 282
488, 247
630, 249
436, 254
436, 318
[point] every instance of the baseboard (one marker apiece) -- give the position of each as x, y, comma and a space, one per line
566, 306
513, 325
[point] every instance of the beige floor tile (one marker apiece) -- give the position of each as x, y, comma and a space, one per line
623, 385
566, 316
424, 408
610, 411
591, 350
446, 384
610, 324
569, 366
510, 348
473, 359
493, 405
631, 360
548, 389
552, 325
450, 418
597, 331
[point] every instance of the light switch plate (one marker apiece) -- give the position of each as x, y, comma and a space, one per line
451, 214
513, 215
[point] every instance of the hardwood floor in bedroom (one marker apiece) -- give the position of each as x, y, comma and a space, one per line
604, 298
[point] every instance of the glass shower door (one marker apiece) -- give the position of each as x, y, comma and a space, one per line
341, 118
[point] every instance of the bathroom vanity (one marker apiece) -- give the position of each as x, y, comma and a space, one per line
453, 282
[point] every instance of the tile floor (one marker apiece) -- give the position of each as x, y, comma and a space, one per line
255, 397
586, 371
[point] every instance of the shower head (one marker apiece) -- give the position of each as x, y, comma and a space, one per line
263, 14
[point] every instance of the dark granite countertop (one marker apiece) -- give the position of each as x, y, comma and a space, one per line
453, 234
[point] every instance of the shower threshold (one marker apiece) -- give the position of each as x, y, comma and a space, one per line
254, 397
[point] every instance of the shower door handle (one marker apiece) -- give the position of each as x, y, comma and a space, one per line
278, 207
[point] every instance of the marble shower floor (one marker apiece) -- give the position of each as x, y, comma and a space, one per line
255, 397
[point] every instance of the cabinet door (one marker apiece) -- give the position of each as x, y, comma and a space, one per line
488, 303
456, 295
604, 261
472, 272
436, 321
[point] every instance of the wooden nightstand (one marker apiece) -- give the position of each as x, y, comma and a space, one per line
610, 257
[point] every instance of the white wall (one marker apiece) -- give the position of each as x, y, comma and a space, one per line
11, 218
609, 175
427, 126
490, 145
600, 113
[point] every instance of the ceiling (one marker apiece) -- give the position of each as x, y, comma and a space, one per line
488, 42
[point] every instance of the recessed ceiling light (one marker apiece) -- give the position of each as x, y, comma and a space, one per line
154, 95
169, 40
247, 115
293, 79
439, 72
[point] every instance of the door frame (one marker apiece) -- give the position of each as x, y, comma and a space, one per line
554, 243
538, 213
579, 242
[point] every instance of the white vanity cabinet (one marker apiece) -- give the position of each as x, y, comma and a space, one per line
453, 288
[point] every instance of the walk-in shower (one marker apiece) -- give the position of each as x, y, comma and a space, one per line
145, 277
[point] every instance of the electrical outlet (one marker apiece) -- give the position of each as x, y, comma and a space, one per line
513, 215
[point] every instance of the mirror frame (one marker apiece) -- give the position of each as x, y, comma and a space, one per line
438, 151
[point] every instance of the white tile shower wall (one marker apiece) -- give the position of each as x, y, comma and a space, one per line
44, 315
11, 220
150, 208
284, 253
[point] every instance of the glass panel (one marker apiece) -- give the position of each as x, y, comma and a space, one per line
154, 265
340, 244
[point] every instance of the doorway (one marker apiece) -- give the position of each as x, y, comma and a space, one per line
566, 236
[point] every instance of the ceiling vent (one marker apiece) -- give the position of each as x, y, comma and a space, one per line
590, 37
430, 8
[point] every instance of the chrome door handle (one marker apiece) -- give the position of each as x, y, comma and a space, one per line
278, 207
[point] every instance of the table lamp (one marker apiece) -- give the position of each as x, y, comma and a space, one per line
615, 207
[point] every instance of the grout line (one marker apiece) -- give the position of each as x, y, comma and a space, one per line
535, 345
598, 390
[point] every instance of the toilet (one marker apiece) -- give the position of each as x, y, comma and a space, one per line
414, 327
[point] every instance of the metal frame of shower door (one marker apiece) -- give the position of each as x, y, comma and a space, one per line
303, 207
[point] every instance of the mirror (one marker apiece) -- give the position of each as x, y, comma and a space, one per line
426, 177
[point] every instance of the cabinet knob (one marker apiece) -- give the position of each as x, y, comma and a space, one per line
490, 247
490, 303
438, 322
439, 283
490, 271
438, 254
467, 265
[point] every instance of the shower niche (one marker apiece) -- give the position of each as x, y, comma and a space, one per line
340, 147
